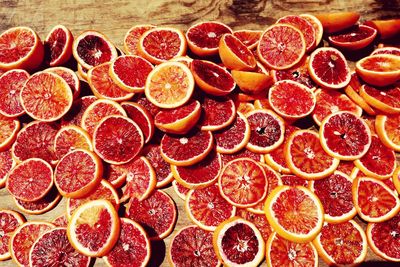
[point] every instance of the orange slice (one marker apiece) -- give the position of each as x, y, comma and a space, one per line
387, 128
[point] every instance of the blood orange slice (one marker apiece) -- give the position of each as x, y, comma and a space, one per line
58, 45
169, 85
10, 221
336, 197
187, 150
318, 28
21, 48
328, 68
179, 120
238, 242
383, 238
130, 73
104, 190
140, 179
74, 115
266, 131
304, 26
235, 137
6, 164
132, 37
342, 244
234, 54
11, 83
23, 239
345, 136
30, 180
78, 173
259, 220
180, 190
282, 252
386, 50
379, 70
40, 206
207, 208
252, 83
9, 129
374, 200
132, 247
212, 78
141, 117
329, 101
161, 44
46, 96
201, 174
92, 48
157, 214
94, 228
379, 162
53, 249
291, 100
353, 92
243, 182
354, 38
115, 174
70, 77
203, 38
117, 139
385, 99
293, 180
388, 130
70, 138
162, 168
285, 203
249, 38
279, 52
217, 113
98, 110
192, 246
244, 153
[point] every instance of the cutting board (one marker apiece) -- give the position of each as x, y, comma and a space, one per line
114, 18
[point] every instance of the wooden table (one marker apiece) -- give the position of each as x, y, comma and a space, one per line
114, 18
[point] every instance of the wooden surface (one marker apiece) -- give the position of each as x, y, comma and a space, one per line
114, 18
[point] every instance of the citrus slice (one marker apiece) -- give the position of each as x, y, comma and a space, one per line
385, 99
388, 130
259, 220
48, 202
335, 195
133, 246
157, 214
21, 48
212, 78
252, 83
328, 68
180, 190
11, 220
186, 150
192, 246
161, 44
58, 45
162, 168
345, 136
234, 54
337, 21
291, 100
141, 117
249, 38
207, 208
23, 239
74, 115
30, 180
203, 38
82, 72
386, 50
235, 137
53, 249
342, 244
278, 51
282, 252
354, 38
117, 139
329, 101
78, 173
201, 174
353, 92
318, 28
382, 238
94, 228
217, 113
169, 85
374, 200
70, 77
379, 70
9, 130
132, 37
130, 72
91, 48
285, 203
266, 131
379, 162
243, 182
238, 242
293, 180
6, 164
70, 138
46, 96
179, 120
11, 83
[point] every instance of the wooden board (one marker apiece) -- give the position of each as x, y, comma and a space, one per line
114, 18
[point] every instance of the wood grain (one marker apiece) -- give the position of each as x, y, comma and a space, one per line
114, 18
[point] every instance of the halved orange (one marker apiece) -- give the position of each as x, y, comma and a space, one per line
132, 37
234, 54
249, 38
379, 70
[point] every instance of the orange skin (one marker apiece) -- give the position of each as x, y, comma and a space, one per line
334, 22
386, 28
